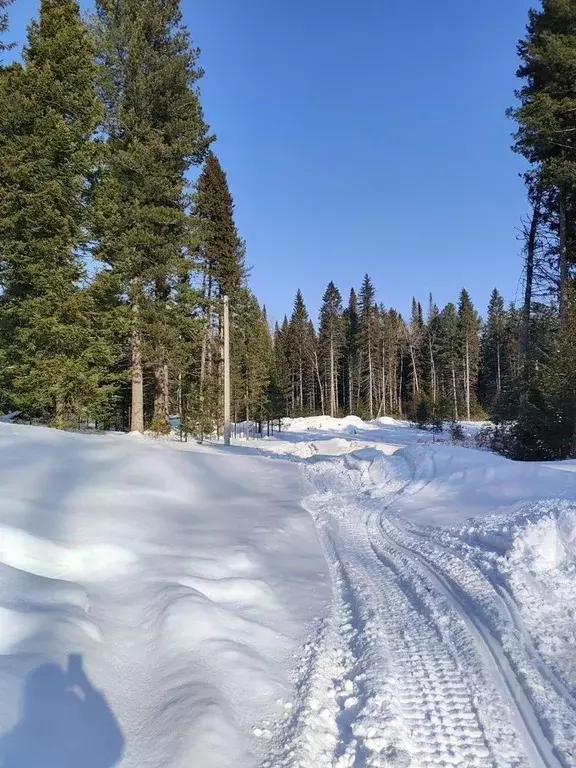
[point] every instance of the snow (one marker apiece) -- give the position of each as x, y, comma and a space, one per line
151, 600
345, 594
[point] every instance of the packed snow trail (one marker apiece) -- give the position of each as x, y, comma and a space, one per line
422, 661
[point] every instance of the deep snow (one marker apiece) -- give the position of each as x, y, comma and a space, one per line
348, 594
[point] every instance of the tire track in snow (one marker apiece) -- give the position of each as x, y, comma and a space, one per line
528, 726
482, 599
405, 672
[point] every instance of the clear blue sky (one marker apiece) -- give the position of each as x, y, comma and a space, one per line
365, 137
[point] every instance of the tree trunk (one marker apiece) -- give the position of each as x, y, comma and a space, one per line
400, 385
162, 394
350, 385
137, 413
454, 392
530, 259
332, 380
317, 368
563, 258
498, 369
370, 381
301, 386
432, 370
467, 380
415, 383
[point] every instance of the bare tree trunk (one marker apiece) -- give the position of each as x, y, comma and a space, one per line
317, 370
530, 259
137, 413
432, 370
454, 392
350, 385
384, 380
370, 381
301, 385
467, 380
498, 369
400, 385
563, 257
332, 380
415, 383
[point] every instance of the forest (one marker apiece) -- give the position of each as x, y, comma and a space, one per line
118, 243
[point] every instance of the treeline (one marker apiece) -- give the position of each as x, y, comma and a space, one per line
367, 360
118, 244
112, 264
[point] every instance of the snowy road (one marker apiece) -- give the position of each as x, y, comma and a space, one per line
424, 660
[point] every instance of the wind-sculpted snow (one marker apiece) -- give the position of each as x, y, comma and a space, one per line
151, 600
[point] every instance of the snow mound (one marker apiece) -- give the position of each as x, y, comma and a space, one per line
349, 424
153, 596
546, 545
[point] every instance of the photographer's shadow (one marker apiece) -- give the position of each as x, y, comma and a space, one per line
65, 723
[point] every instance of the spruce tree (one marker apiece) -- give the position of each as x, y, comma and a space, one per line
449, 349
496, 363
331, 339
469, 327
155, 131
368, 323
54, 361
303, 360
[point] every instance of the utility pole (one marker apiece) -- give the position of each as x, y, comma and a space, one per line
226, 371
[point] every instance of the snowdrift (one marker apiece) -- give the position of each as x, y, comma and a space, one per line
152, 596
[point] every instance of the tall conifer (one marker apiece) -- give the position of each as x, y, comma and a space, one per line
48, 116
155, 131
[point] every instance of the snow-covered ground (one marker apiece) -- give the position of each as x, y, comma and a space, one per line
347, 594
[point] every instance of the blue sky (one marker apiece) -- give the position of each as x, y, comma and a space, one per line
365, 137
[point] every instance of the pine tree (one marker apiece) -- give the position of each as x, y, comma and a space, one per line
331, 339
54, 361
496, 365
546, 118
469, 327
4, 23
219, 257
155, 131
367, 333
303, 358
449, 358
351, 348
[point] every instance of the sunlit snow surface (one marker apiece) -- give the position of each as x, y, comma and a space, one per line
343, 594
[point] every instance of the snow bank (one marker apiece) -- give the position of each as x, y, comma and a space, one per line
152, 596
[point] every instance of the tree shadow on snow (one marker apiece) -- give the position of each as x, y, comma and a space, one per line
65, 723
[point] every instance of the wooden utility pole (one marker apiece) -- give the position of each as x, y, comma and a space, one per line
227, 429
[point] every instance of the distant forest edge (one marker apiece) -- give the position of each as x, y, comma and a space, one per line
113, 266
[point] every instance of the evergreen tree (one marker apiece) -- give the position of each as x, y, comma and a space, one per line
495, 371
546, 118
220, 249
303, 359
155, 131
219, 258
449, 358
469, 327
54, 360
367, 336
4, 23
351, 348
331, 339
